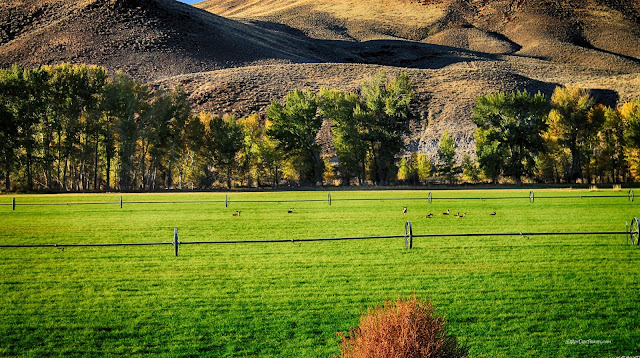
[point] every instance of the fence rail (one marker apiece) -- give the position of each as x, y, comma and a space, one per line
633, 237
430, 198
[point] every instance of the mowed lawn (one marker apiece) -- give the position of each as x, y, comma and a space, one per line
504, 296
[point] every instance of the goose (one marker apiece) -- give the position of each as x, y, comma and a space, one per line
463, 215
457, 214
445, 213
237, 213
430, 215
290, 211
404, 210
493, 213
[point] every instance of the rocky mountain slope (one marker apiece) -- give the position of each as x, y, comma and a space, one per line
238, 55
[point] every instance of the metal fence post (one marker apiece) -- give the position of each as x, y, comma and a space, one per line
120, 201
329, 199
634, 232
13, 203
532, 197
430, 198
176, 243
226, 201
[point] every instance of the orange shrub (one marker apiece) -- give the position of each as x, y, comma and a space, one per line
401, 329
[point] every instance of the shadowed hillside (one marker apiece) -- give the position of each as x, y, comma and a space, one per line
148, 39
236, 56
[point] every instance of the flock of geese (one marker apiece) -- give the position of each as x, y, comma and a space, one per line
448, 212
404, 212
237, 213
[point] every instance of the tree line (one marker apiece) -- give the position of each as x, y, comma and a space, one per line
77, 128
567, 138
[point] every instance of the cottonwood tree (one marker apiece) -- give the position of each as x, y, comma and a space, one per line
575, 121
387, 114
470, 169
508, 137
295, 127
630, 112
224, 139
446, 157
271, 156
8, 143
610, 161
123, 100
348, 123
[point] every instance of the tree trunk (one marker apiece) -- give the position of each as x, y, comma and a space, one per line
29, 173
95, 167
7, 171
108, 172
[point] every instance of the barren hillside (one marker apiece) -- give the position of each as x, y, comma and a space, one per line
238, 55
148, 39
603, 34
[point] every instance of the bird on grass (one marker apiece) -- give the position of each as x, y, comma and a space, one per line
445, 213
462, 216
493, 213
237, 213
290, 211
430, 215
457, 214
404, 210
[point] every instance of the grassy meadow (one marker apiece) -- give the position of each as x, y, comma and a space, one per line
504, 296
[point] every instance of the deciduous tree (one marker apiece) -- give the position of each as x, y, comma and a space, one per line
509, 132
575, 122
295, 127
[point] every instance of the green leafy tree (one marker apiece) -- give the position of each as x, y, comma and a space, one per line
295, 127
75, 94
490, 154
123, 101
470, 169
388, 113
610, 161
446, 157
8, 140
575, 122
630, 113
224, 140
406, 172
348, 117
24, 95
12, 84
508, 137
271, 156
424, 167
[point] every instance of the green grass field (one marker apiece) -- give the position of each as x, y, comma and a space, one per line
504, 296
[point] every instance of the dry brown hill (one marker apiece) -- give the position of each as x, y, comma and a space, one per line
603, 34
238, 55
149, 39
